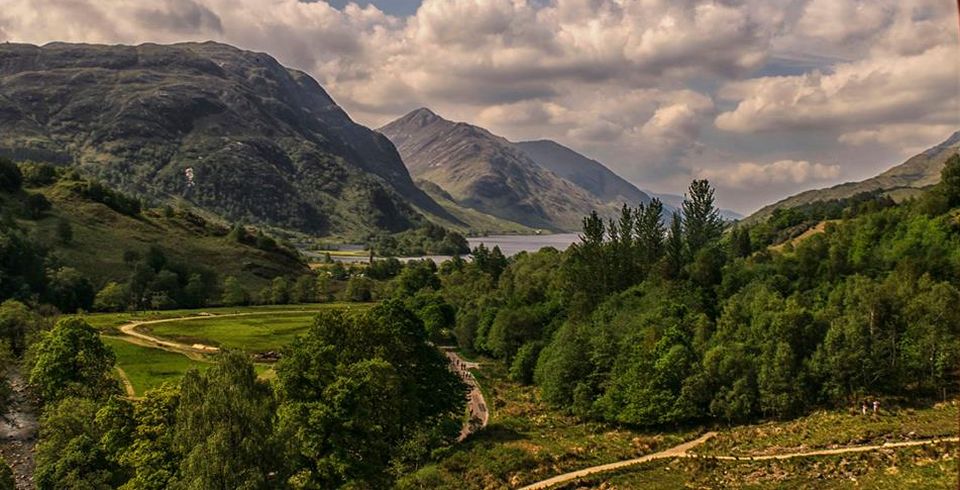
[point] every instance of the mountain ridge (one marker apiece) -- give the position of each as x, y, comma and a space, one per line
917, 172
264, 143
488, 173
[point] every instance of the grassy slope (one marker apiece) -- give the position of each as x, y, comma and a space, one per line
527, 441
893, 469
102, 235
477, 223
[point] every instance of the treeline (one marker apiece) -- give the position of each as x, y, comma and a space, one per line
654, 319
428, 239
358, 400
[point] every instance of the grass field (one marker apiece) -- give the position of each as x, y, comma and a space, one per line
109, 321
258, 331
147, 367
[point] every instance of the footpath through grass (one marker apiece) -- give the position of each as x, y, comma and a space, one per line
921, 468
527, 441
834, 429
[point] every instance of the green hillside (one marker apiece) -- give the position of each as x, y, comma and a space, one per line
104, 235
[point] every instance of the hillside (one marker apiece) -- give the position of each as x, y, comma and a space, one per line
920, 171
587, 173
107, 241
230, 131
487, 173
474, 222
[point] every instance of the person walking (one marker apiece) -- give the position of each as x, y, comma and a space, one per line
876, 406
863, 408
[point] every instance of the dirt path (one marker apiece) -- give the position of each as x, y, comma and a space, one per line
127, 385
479, 414
674, 452
683, 451
18, 432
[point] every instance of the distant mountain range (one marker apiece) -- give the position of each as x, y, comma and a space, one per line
904, 180
487, 173
230, 131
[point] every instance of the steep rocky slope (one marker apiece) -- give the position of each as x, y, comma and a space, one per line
487, 173
231, 131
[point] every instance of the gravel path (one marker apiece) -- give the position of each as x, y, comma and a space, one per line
683, 451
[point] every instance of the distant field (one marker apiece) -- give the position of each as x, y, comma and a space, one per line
147, 367
263, 331
106, 321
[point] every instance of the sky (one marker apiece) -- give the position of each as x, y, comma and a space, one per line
765, 98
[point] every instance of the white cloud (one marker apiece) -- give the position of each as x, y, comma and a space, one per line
634, 83
746, 174
916, 88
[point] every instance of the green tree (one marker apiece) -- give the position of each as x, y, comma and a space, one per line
76, 446
233, 292
70, 360
17, 325
6, 476
69, 290
151, 456
305, 290
950, 181
702, 223
279, 291
675, 251
356, 387
113, 297
195, 292
359, 289
224, 427
64, 231
10, 176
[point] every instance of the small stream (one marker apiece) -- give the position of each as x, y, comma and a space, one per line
18, 432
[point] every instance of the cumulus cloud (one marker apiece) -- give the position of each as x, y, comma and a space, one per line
650, 87
894, 90
748, 175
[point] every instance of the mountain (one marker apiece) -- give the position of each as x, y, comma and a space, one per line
589, 174
231, 131
485, 172
920, 171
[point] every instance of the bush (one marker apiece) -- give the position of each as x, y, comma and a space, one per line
38, 174
10, 177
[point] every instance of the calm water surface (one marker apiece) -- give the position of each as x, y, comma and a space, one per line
514, 244
509, 245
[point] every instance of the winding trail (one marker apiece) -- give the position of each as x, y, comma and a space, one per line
479, 413
683, 451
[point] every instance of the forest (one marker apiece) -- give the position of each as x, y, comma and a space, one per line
648, 321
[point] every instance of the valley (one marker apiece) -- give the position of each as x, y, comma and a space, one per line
216, 274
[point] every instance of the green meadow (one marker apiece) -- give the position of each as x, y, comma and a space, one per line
147, 368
